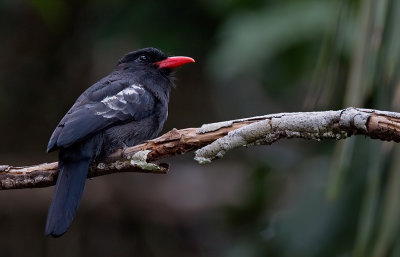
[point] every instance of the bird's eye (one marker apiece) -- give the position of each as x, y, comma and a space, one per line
143, 58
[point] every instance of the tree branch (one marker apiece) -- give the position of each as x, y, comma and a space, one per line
214, 140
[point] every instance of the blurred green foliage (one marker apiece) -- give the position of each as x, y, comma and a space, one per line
294, 198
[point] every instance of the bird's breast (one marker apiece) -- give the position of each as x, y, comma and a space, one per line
136, 131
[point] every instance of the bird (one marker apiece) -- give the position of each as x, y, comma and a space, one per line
125, 108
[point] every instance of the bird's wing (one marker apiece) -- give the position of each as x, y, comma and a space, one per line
83, 120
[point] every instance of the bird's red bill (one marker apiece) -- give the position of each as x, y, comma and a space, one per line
174, 62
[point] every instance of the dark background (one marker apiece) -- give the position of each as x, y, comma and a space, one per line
293, 198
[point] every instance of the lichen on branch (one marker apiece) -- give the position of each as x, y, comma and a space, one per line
212, 141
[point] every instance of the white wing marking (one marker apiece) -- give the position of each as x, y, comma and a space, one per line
112, 101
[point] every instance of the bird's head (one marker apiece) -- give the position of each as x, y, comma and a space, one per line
152, 58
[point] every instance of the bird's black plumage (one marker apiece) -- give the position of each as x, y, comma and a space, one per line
126, 107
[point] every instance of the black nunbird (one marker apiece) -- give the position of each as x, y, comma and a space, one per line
126, 107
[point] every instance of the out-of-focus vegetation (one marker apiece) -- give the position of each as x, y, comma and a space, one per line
293, 198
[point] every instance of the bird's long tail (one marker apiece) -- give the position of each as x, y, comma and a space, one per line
73, 169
